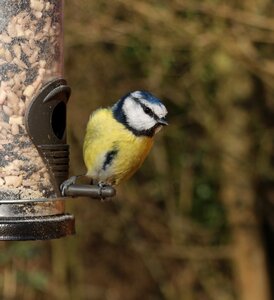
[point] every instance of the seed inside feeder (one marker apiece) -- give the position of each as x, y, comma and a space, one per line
30, 56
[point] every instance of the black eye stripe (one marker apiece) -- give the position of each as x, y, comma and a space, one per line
146, 109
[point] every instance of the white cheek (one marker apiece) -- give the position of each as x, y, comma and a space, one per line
140, 121
136, 117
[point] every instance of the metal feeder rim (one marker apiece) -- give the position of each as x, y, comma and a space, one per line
22, 201
36, 228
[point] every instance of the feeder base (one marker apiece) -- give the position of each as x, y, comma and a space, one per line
36, 228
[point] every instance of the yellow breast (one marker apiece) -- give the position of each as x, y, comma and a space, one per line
105, 134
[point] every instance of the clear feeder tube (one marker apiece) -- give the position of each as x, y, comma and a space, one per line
31, 55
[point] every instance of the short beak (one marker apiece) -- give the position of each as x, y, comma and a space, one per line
163, 122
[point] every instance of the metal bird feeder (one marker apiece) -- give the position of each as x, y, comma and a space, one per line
34, 155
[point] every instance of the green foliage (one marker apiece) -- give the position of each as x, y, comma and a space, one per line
37, 280
18, 250
206, 208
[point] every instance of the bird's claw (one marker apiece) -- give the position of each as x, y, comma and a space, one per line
66, 184
101, 186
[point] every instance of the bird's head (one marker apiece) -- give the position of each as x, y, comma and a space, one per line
141, 112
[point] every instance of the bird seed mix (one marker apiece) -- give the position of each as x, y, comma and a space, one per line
30, 55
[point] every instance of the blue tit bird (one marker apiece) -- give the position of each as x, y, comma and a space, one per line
119, 138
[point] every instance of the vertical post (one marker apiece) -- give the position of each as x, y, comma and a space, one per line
31, 56
238, 195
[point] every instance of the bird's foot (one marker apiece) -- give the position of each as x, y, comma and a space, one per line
101, 186
66, 184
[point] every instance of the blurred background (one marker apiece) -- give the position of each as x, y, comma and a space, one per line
195, 222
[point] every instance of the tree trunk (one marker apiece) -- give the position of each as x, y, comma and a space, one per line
238, 195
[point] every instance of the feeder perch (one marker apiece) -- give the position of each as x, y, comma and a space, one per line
34, 155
